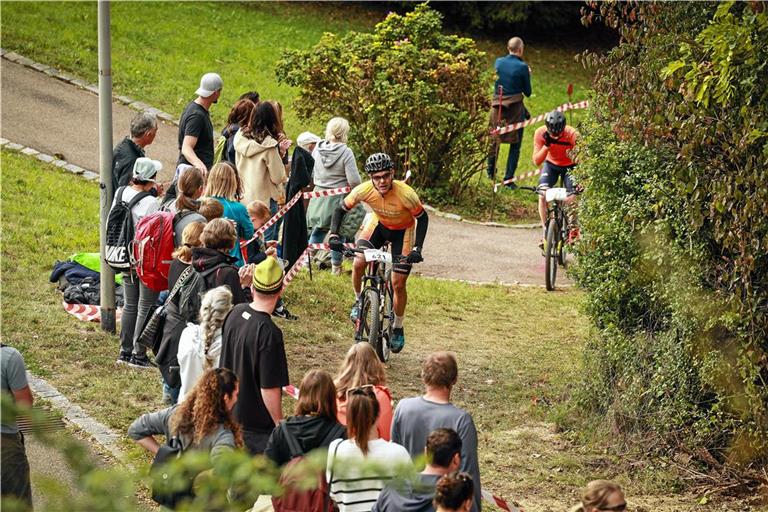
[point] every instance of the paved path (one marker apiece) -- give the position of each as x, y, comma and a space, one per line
55, 117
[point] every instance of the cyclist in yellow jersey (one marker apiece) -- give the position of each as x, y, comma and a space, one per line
398, 218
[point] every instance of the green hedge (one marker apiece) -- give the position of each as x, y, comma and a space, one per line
675, 253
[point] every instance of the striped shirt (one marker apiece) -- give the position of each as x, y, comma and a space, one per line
356, 480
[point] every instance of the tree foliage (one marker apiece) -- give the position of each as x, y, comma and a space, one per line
675, 253
406, 88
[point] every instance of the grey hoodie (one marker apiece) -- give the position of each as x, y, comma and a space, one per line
335, 165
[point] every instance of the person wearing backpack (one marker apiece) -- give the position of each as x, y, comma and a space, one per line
134, 202
166, 354
200, 344
214, 263
190, 188
203, 421
313, 427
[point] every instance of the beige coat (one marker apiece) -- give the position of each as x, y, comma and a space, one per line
261, 170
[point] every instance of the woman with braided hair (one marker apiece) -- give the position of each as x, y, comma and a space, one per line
203, 422
200, 345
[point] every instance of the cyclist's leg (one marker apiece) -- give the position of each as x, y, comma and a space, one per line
571, 205
402, 243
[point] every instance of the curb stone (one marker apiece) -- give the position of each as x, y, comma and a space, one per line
78, 82
74, 414
49, 159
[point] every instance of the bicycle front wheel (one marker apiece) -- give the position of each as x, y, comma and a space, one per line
372, 318
550, 263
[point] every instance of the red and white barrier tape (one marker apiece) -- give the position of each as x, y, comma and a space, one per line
516, 178
565, 107
87, 312
287, 206
326, 193
293, 391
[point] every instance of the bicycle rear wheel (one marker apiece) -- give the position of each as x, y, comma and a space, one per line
550, 263
387, 318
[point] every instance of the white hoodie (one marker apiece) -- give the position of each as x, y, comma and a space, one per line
261, 169
192, 356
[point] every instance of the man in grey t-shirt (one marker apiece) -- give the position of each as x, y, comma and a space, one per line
14, 466
416, 417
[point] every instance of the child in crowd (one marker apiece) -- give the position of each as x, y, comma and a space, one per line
210, 209
259, 213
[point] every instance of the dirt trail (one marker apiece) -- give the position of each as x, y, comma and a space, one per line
55, 117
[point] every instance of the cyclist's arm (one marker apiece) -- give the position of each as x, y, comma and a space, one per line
422, 224
338, 217
540, 151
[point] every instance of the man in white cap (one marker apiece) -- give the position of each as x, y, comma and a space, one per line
195, 127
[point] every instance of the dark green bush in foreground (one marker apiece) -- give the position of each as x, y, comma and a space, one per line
406, 88
675, 215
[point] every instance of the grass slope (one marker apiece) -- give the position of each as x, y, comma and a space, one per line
160, 50
518, 348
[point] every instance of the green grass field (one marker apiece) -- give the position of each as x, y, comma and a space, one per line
515, 369
160, 50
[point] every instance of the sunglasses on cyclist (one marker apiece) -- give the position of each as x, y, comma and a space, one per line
362, 390
382, 177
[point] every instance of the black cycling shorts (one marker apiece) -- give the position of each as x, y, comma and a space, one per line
400, 240
550, 173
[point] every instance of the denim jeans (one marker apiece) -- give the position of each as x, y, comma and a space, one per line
172, 392
512, 159
139, 304
317, 237
273, 232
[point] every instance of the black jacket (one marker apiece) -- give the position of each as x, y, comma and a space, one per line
123, 158
310, 431
295, 222
204, 259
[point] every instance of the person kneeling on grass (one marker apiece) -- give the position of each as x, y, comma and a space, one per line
203, 421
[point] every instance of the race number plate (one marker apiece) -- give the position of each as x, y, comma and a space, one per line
377, 255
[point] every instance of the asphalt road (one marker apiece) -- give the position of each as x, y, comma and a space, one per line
55, 117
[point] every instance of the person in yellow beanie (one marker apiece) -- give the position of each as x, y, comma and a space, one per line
252, 347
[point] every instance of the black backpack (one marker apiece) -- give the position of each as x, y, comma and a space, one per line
120, 231
190, 295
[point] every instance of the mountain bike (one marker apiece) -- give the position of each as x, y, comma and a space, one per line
377, 313
557, 232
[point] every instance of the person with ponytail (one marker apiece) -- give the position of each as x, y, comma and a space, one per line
174, 324
203, 422
353, 489
200, 345
454, 493
601, 495
189, 189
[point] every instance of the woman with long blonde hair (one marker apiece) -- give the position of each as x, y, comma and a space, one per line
203, 422
362, 367
223, 186
200, 345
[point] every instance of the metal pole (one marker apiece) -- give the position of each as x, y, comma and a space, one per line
105, 164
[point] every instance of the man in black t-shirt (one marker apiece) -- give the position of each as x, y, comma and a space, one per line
195, 127
252, 347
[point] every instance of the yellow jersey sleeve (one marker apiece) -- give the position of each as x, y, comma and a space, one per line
358, 195
409, 198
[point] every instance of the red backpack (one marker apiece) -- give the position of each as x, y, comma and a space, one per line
294, 498
152, 248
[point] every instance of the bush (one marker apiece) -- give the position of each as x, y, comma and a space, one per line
675, 252
406, 89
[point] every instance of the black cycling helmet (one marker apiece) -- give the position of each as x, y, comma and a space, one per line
555, 122
378, 162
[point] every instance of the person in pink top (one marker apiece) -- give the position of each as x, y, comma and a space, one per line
361, 367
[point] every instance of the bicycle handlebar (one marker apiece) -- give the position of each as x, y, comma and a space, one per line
350, 252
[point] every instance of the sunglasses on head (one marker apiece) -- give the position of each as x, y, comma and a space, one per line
362, 390
621, 507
